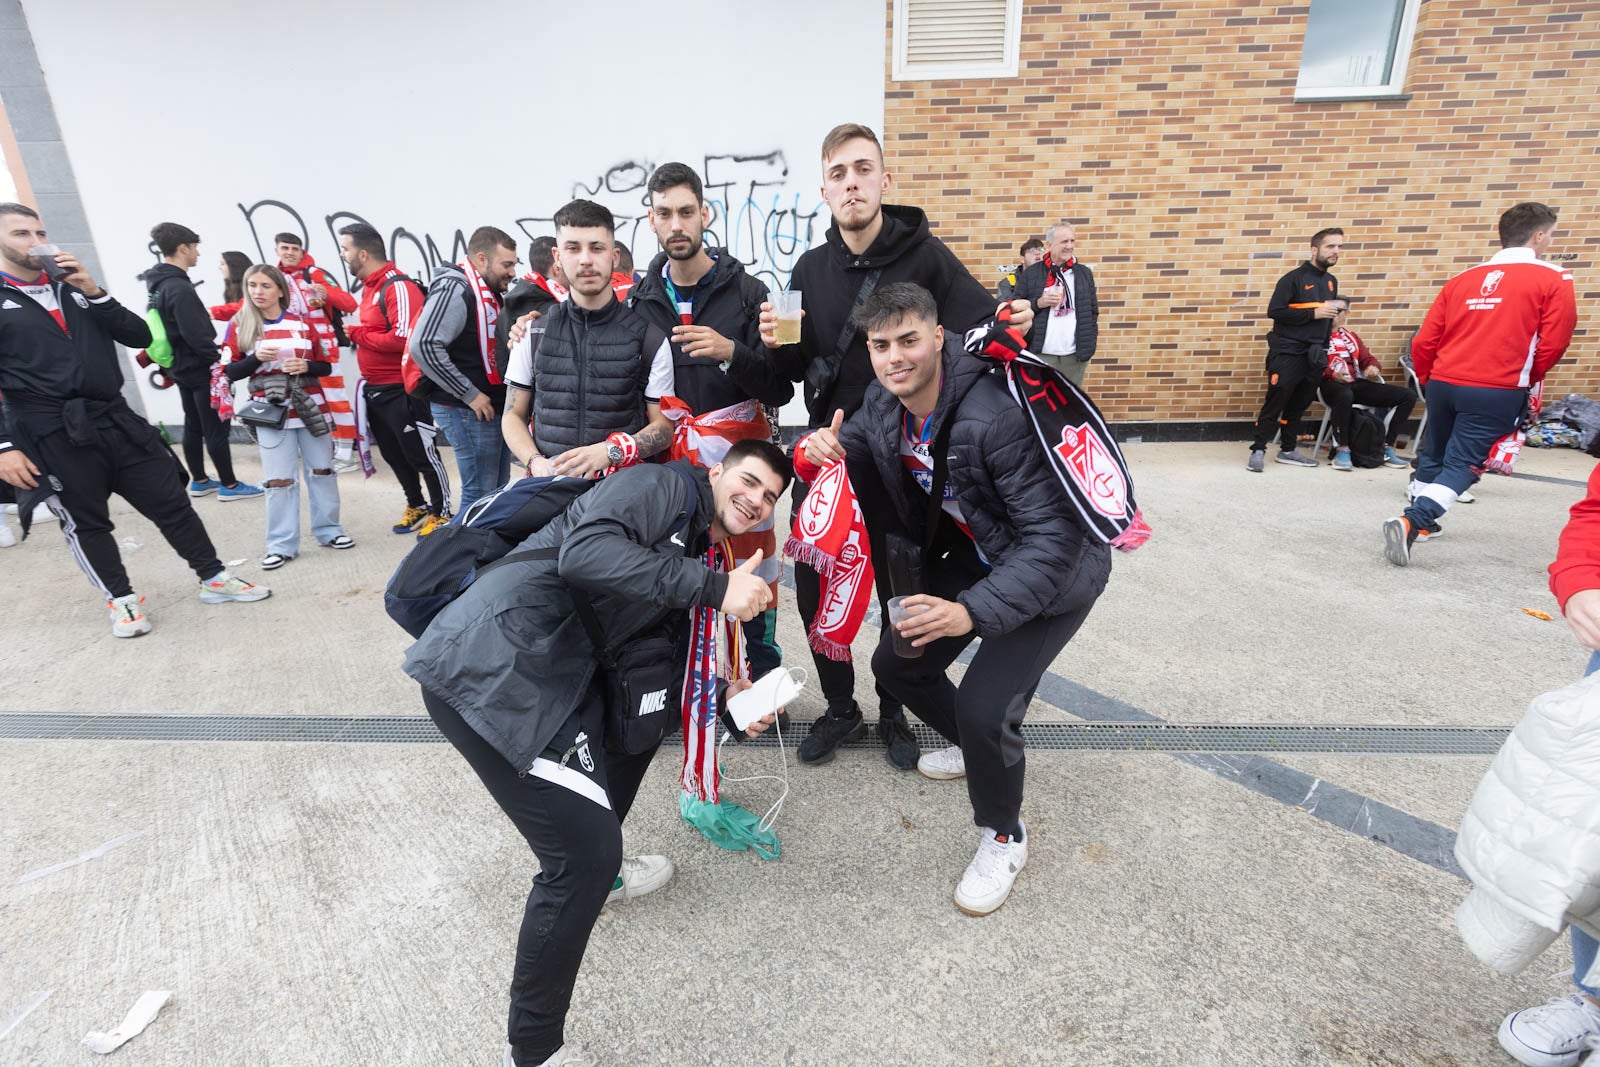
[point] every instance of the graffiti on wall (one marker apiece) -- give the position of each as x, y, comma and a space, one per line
756, 213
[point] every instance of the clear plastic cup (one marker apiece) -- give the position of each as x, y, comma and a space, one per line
898, 612
787, 306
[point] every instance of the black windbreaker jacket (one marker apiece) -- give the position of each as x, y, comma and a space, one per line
830, 276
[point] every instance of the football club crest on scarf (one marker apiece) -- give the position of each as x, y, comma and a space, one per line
830, 537
1077, 442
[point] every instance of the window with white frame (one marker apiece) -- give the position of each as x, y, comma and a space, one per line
935, 39
1356, 48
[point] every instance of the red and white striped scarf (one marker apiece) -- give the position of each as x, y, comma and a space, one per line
549, 285
486, 302
830, 537
701, 709
1503, 456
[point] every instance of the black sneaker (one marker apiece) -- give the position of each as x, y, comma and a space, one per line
829, 732
900, 746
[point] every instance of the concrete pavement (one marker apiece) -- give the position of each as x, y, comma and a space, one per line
343, 903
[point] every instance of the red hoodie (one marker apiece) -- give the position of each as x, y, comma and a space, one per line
1577, 565
1501, 325
380, 334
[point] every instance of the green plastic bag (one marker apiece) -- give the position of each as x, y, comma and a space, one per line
727, 825
160, 348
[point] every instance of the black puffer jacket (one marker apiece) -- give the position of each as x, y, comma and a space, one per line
728, 300
1032, 283
1021, 520
589, 375
510, 654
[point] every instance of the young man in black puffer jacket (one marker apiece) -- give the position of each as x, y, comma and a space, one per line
1004, 558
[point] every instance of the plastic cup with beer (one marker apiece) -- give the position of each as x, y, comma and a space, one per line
787, 306
899, 612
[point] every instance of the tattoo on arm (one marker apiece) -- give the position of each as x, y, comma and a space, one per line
518, 399
653, 438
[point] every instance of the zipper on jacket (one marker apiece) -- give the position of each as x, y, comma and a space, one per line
581, 353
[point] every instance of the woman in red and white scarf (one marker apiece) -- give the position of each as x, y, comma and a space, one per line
278, 351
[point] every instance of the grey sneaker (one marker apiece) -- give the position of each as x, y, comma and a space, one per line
1296, 458
1258, 461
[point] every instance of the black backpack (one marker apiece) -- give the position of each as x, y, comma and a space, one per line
1366, 438
446, 562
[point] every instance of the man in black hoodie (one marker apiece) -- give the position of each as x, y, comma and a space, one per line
869, 244
710, 308
194, 352
1303, 306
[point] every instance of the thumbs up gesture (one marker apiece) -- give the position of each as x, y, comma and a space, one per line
747, 594
822, 446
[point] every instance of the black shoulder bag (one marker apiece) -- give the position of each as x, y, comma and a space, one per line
822, 373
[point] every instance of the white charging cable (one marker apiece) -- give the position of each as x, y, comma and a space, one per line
783, 779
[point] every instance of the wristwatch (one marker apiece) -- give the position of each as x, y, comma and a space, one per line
614, 455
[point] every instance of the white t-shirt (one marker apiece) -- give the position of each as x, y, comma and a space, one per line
1061, 328
519, 371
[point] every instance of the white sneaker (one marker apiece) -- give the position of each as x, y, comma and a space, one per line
7, 538
943, 765
225, 588
127, 616
565, 1056
639, 875
987, 881
1555, 1034
1466, 498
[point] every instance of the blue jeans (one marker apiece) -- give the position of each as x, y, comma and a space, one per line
284, 454
1584, 947
481, 453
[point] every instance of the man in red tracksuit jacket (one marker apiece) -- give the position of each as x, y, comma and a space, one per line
400, 424
1492, 332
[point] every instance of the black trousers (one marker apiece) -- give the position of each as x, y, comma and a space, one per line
402, 428
1291, 387
203, 432
984, 713
1339, 396
133, 462
569, 808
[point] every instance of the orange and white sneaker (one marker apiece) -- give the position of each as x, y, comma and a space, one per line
226, 589
1398, 537
988, 878
127, 616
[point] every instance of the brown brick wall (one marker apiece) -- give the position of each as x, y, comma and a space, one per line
1167, 131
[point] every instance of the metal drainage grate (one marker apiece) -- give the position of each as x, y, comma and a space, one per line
1043, 736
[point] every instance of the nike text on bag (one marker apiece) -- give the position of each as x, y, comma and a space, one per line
638, 678
447, 561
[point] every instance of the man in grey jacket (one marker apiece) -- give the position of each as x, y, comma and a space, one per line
509, 676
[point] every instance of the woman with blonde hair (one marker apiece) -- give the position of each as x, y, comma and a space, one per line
276, 349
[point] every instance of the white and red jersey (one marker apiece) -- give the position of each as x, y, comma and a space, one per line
916, 456
1501, 325
380, 332
43, 292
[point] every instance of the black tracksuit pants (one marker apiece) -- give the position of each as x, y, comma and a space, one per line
203, 432
984, 713
1291, 387
402, 428
132, 461
569, 807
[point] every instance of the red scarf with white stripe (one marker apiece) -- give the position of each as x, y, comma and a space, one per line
830, 537
549, 285
701, 708
486, 302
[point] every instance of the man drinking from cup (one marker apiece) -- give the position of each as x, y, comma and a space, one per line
962, 472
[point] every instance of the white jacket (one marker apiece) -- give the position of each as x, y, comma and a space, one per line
1530, 840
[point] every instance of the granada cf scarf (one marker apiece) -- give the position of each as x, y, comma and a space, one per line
700, 705
486, 306
1057, 274
704, 441
1077, 442
1503, 456
221, 393
363, 430
830, 537
549, 285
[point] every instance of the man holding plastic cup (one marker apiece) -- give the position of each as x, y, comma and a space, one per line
869, 245
1002, 553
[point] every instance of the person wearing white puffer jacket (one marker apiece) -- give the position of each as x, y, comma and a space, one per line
1530, 840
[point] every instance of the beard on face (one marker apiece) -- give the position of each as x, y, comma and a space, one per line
688, 249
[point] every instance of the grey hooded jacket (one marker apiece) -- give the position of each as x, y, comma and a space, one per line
510, 654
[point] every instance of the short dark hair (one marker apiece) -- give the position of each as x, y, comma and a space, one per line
541, 254
894, 303
585, 214
287, 238
366, 238
672, 175
624, 258
486, 239
11, 208
168, 236
849, 131
1520, 223
1318, 237
765, 451
1029, 245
